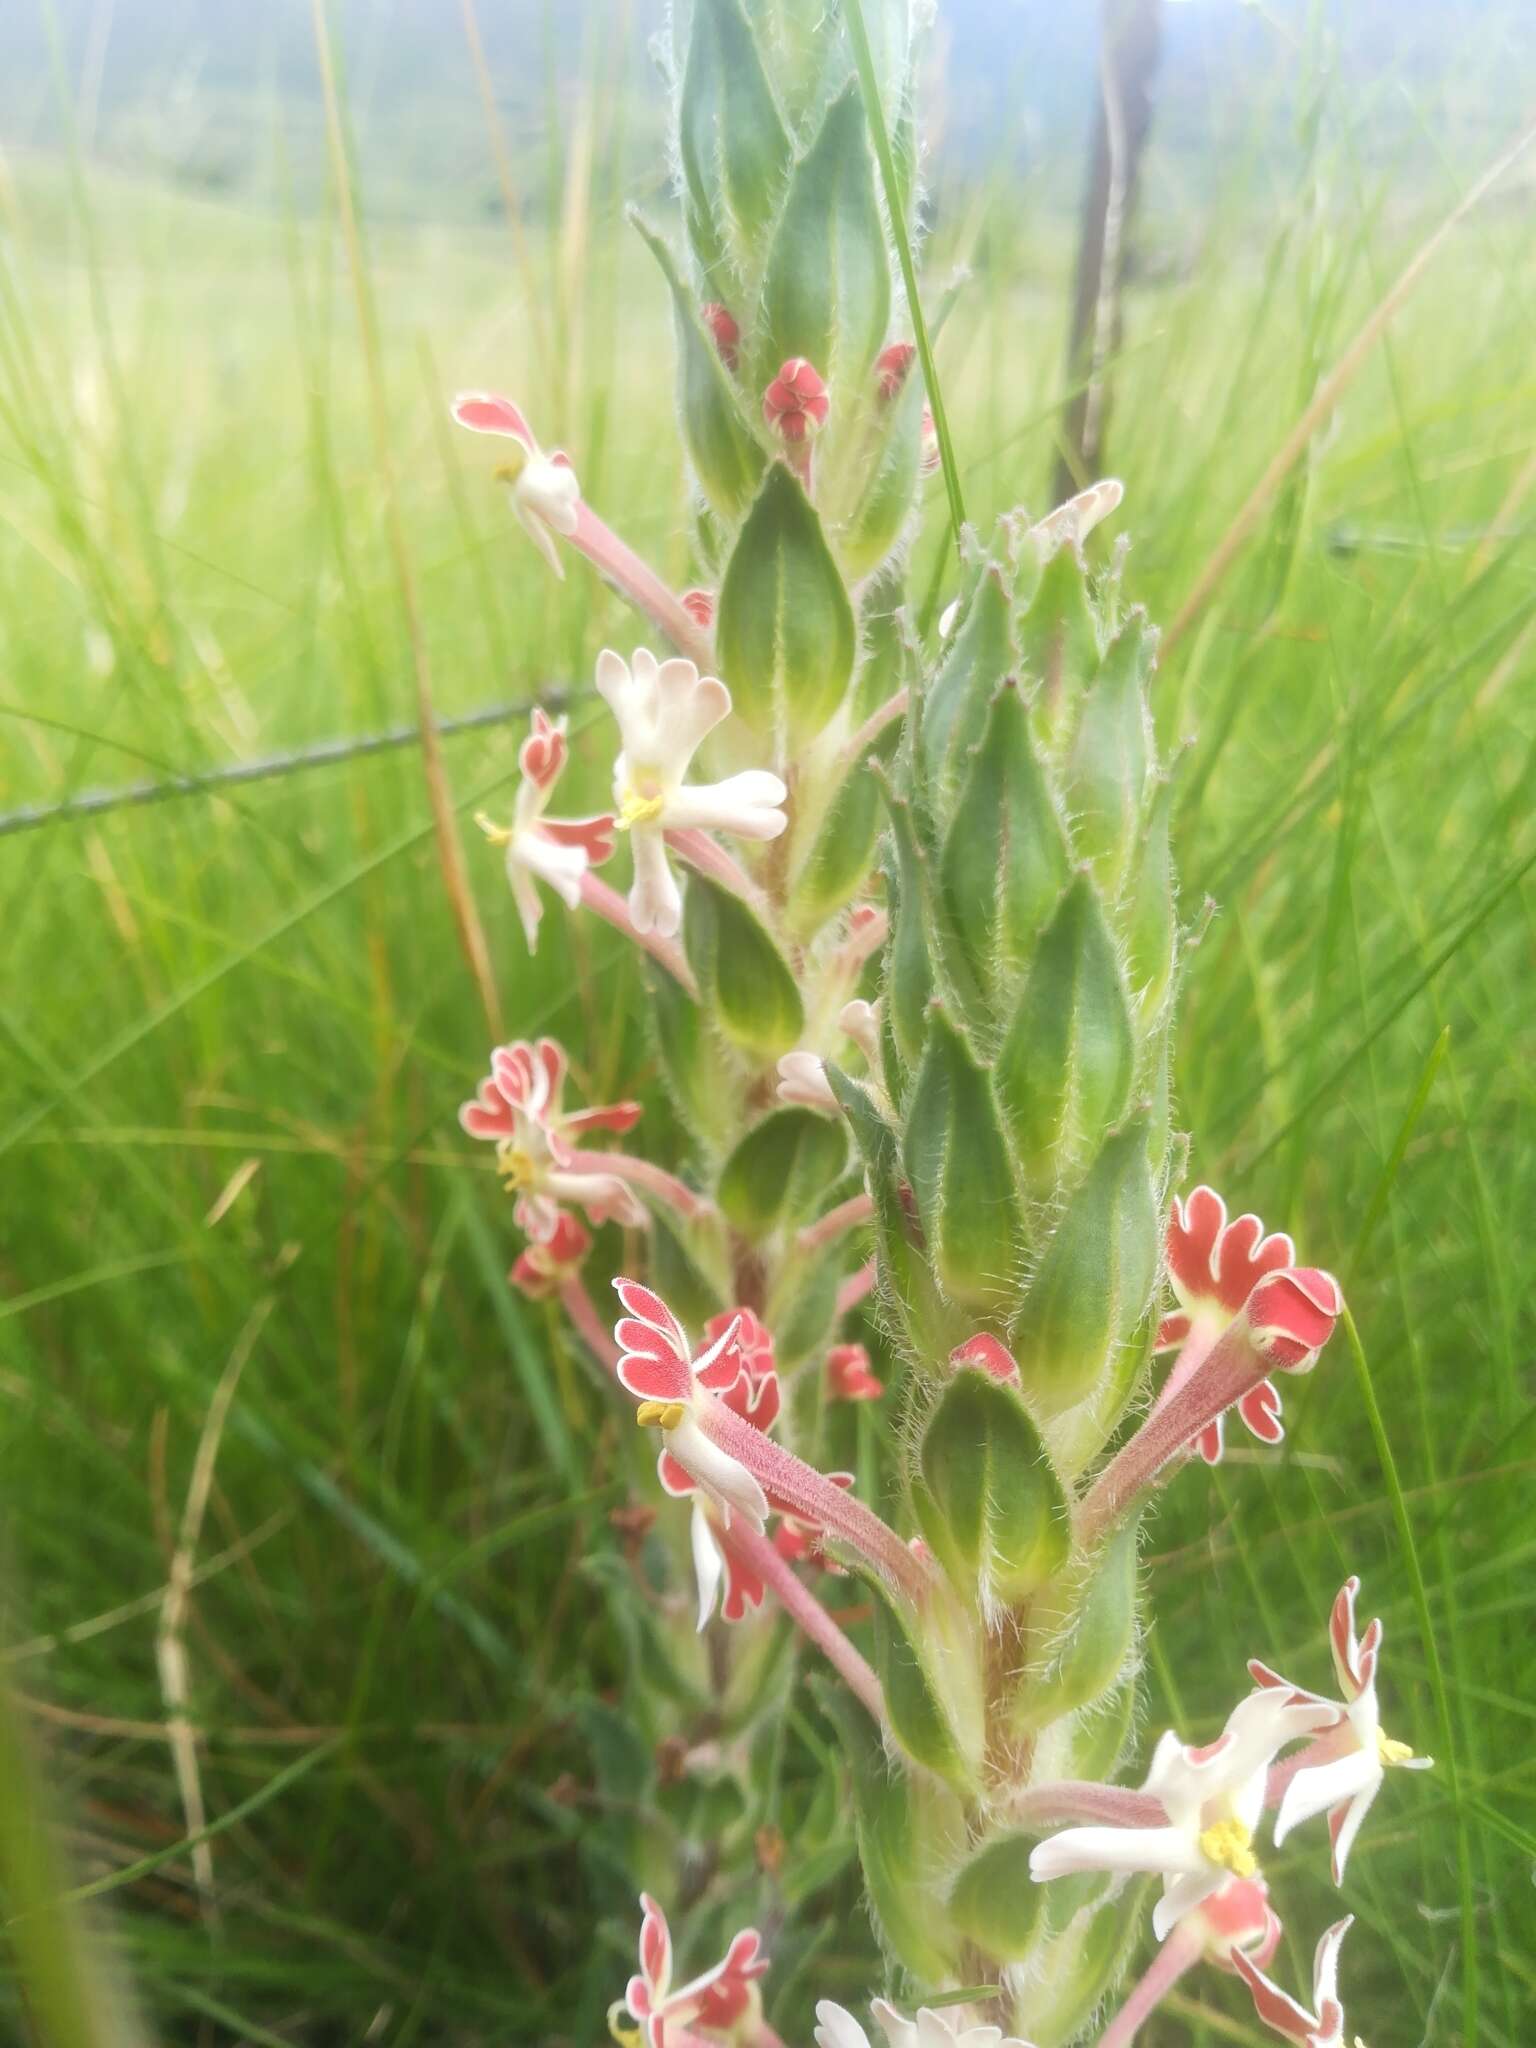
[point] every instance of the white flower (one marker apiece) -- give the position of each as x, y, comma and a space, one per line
803, 1075
545, 493
1213, 1797
1355, 1755
837, 2028
664, 711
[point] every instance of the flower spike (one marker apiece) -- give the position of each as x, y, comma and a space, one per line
664, 711
1321, 2028
1351, 1760
518, 1108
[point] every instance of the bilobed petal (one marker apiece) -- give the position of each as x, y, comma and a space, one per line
1345, 1822
1260, 1409
1157, 1851
655, 901
836, 2028
745, 805
688, 707
486, 412
655, 1950
1322, 1786
899, 2032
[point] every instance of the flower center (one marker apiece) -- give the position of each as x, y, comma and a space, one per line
1392, 1752
1230, 1845
498, 835
509, 471
636, 809
516, 1167
660, 1414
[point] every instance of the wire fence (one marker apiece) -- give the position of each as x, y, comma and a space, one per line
208, 782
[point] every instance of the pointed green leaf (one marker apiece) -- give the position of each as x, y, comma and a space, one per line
995, 1902
1150, 920
908, 955
989, 1504
1089, 1653
1071, 1975
1004, 864
979, 656
785, 635
904, 1826
1065, 1066
1058, 644
734, 149
928, 1325
873, 525
780, 1168
703, 1074
827, 290
1091, 1290
921, 1687
1108, 768
743, 979
962, 1177
727, 458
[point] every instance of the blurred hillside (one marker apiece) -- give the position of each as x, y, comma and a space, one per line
225, 97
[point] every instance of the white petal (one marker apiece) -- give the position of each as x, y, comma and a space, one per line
1181, 1895
655, 902
836, 2028
538, 533
688, 707
744, 804
1344, 1841
561, 866
1314, 1791
728, 1484
803, 1080
526, 897
708, 1565
549, 491
1155, 1850
947, 618
934, 2029
899, 2032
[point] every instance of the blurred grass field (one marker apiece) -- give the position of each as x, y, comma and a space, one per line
237, 1028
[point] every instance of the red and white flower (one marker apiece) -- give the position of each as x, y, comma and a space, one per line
718, 2002
849, 1376
664, 711
543, 1269
545, 493
554, 850
518, 1108
1342, 1772
717, 1563
1323, 2027
745, 1380
684, 1397
1212, 1797
1213, 1267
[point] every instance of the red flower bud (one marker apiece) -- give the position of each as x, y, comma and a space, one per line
795, 405
700, 606
543, 1268
727, 334
892, 367
928, 457
848, 1375
987, 1355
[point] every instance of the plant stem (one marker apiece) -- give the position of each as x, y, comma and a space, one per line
806, 1611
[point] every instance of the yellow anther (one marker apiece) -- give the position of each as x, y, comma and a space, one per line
509, 471
514, 1166
626, 2036
498, 835
639, 810
1393, 1752
1229, 1844
660, 1414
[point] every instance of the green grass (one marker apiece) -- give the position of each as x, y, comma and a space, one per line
236, 1030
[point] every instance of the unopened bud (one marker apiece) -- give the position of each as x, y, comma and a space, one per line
928, 457
893, 365
699, 604
725, 331
795, 405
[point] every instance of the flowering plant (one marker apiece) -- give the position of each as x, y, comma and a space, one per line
909, 925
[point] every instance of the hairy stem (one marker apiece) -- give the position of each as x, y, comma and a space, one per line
806, 1611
